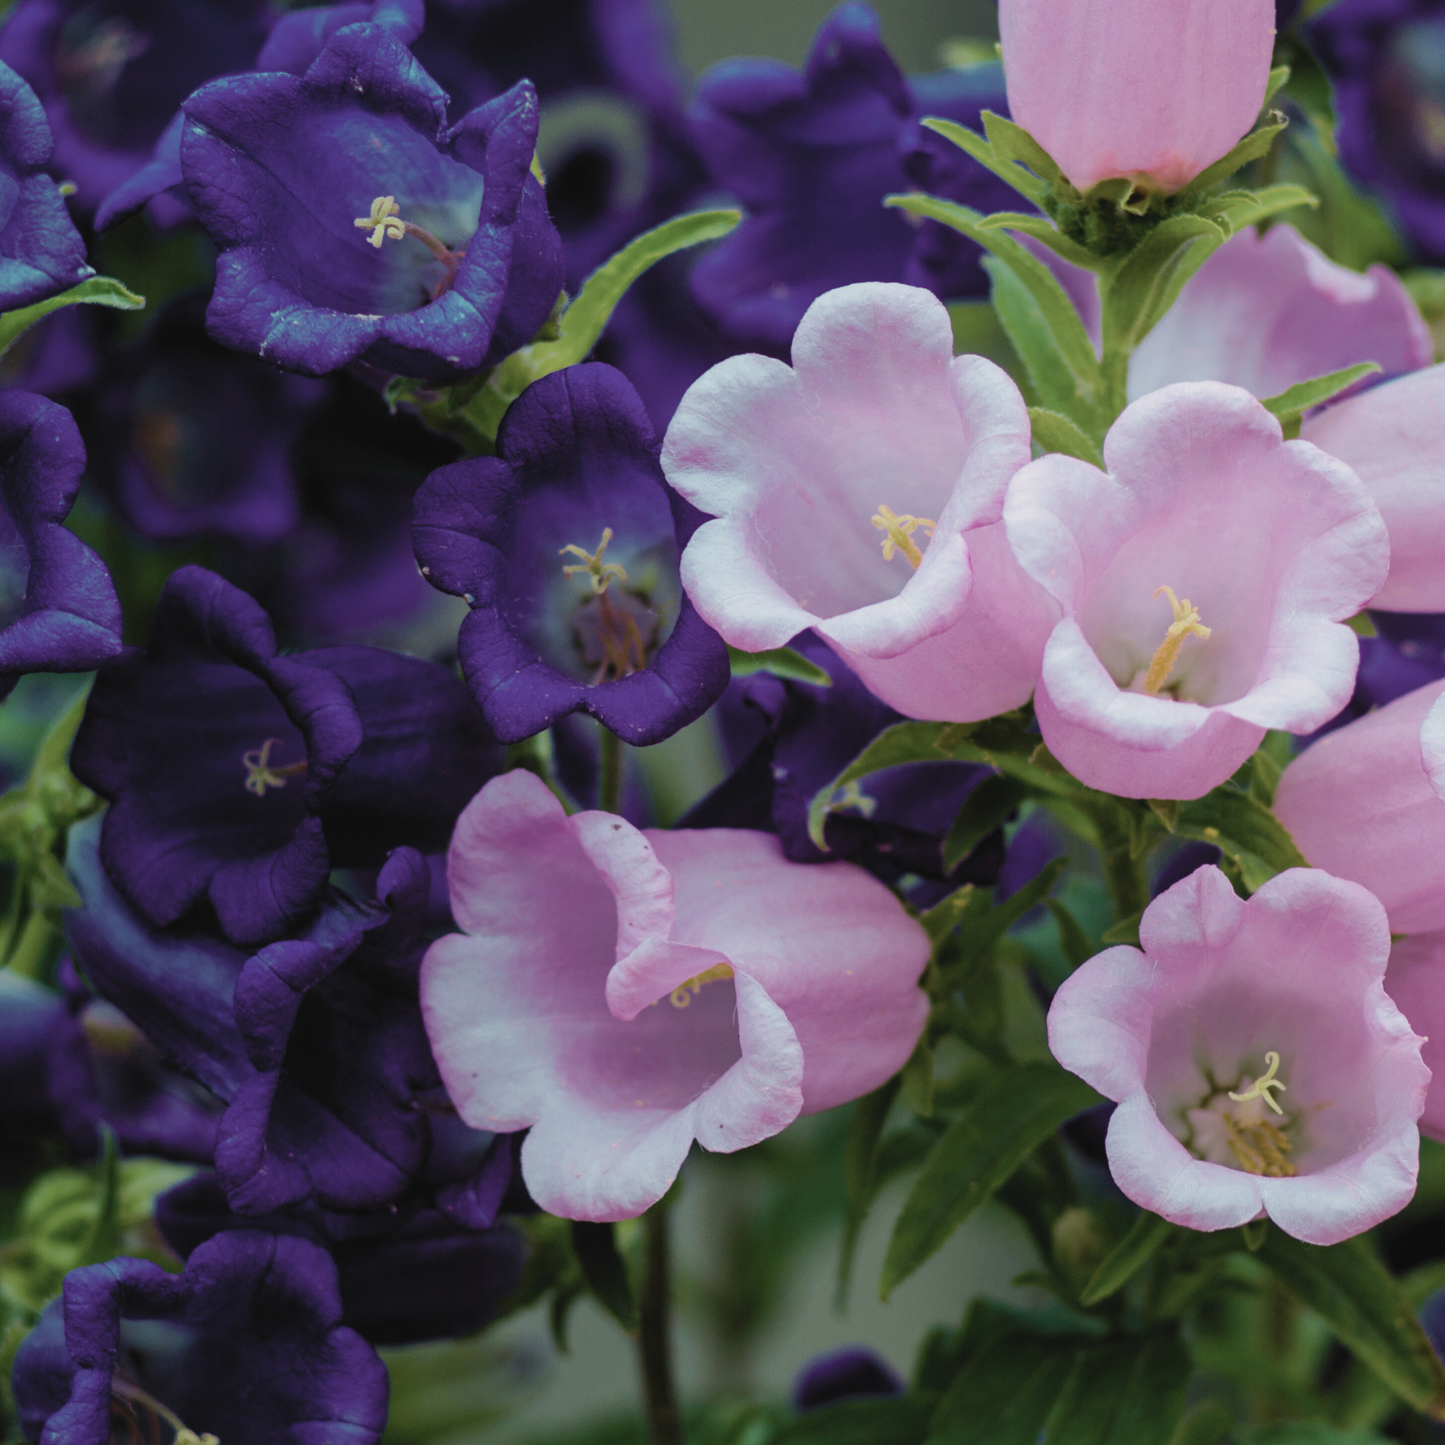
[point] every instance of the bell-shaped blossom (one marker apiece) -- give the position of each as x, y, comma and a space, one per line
1152, 89
1383, 59
1266, 312
58, 608
1204, 579
859, 492
811, 155
1259, 1066
252, 1351
242, 776
673, 985
1416, 981
566, 545
354, 224
788, 739
1394, 438
406, 1274
852, 1373
1365, 802
41, 252
111, 78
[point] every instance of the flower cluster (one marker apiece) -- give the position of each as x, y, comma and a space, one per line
558, 697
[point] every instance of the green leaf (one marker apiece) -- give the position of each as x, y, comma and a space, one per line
781, 662
987, 807
1011, 142
1207, 1425
900, 1421
1238, 209
1042, 229
1073, 941
988, 923
999, 1128
1166, 810
1256, 144
1306, 1432
1152, 275
1365, 1307
1125, 1392
96, 291
1362, 625
1310, 88
103, 1242
1277, 77
1056, 433
604, 1271
1131, 1254
916, 1079
1031, 187
1005, 1393
1295, 400
977, 331
1126, 930
1244, 830
860, 1173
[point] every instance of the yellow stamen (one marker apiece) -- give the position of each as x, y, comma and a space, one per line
681, 997
1186, 622
384, 220
131, 1395
898, 533
1261, 1087
1260, 1149
260, 775
600, 572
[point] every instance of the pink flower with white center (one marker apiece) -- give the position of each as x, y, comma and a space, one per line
1367, 802
1259, 1066
1416, 982
1204, 579
1266, 312
623, 994
1153, 89
858, 492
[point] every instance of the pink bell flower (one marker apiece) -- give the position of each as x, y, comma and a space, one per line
1365, 803
1416, 982
1204, 579
1153, 89
858, 492
1259, 1066
622, 994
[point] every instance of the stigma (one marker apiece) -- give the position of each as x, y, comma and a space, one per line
599, 572
684, 993
1261, 1087
898, 533
260, 774
1186, 624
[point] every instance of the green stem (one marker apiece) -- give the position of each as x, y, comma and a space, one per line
609, 771
654, 1343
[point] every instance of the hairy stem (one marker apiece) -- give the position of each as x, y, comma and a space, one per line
654, 1340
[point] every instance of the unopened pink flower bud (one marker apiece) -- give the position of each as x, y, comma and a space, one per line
1154, 89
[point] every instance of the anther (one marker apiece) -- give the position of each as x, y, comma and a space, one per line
1261, 1087
1186, 623
681, 996
260, 775
600, 572
898, 533
384, 220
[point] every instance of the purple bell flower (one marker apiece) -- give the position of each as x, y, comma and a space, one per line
189, 439
247, 1345
353, 224
566, 545
406, 1275
111, 77
41, 252
1387, 61
788, 739
852, 1373
243, 777
315, 1043
811, 156
58, 608
34, 1026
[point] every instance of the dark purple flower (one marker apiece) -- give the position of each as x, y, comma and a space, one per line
315, 1044
1387, 61
112, 75
353, 224
788, 739
41, 252
852, 1373
1407, 651
811, 156
566, 545
189, 439
58, 354
406, 1275
296, 39
34, 1027
243, 777
253, 1351
58, 608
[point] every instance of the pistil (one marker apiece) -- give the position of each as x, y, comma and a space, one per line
1186, 623
385, 223
260, 774
615, 641
127, 1396
684, 993
898, 533
1261, 1087
599, 572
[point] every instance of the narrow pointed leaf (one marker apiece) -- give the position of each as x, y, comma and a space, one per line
1143, 287
1238, 209
1012, 142
1005, 1393
1000, 1127
1256, 144
1295, 400
604, 1271
1126, 1392
1129, 1256
1244, 830
987, 807
1043, 230
95, 291
1056, 433
1028, 186
781, 662
1033, 341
